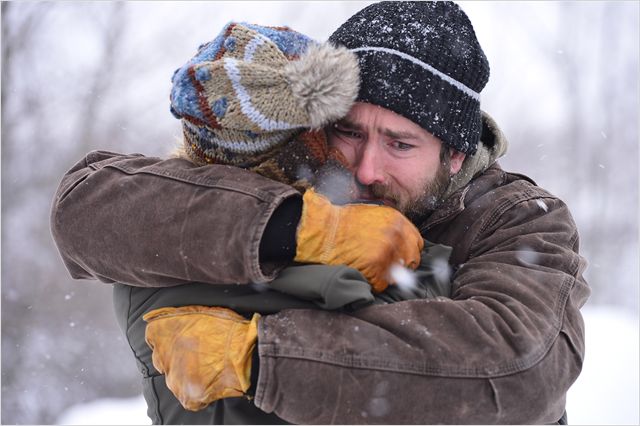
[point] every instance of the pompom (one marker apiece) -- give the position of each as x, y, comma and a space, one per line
325, 81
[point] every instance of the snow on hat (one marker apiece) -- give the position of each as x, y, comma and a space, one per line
421, 60
253, 88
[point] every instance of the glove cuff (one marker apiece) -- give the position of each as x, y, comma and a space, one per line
253, 377
315, 237
242, 359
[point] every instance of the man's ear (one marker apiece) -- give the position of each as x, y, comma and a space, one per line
456, 160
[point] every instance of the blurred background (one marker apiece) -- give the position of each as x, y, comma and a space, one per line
79, 76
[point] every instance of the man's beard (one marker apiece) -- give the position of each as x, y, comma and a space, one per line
430, 197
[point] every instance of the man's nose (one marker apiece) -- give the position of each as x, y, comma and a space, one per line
368, 167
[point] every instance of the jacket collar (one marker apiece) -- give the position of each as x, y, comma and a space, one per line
493, 145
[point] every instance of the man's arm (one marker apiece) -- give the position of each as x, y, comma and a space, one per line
504, 350
150, 222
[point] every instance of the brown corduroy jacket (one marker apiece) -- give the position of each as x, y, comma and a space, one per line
504, 349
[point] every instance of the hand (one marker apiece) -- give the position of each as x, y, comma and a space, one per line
366, 237
205, 352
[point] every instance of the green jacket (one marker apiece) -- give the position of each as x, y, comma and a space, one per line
307, 286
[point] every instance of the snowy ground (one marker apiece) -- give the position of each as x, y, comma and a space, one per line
605, 393
607, 390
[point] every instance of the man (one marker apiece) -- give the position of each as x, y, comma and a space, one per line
504, 349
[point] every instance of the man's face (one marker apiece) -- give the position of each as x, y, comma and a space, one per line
393, 159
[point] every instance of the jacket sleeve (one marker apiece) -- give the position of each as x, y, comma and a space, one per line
505, 349
149, 222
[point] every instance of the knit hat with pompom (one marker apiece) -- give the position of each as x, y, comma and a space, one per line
253, 88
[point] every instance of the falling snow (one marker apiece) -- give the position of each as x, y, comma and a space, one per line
542, 205
405, 278
528, 256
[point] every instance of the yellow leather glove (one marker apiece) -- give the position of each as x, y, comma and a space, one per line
204, 352
369, 238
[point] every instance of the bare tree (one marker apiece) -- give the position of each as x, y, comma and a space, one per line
590, 158
60, 343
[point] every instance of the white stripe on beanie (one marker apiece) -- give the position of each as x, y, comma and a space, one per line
460, 86
253, 45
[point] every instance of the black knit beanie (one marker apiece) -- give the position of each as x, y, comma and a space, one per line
421, 60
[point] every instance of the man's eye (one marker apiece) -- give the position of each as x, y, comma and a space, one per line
401, 146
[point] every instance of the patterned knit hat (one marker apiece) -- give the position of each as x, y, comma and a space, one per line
421, 60
253, 88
